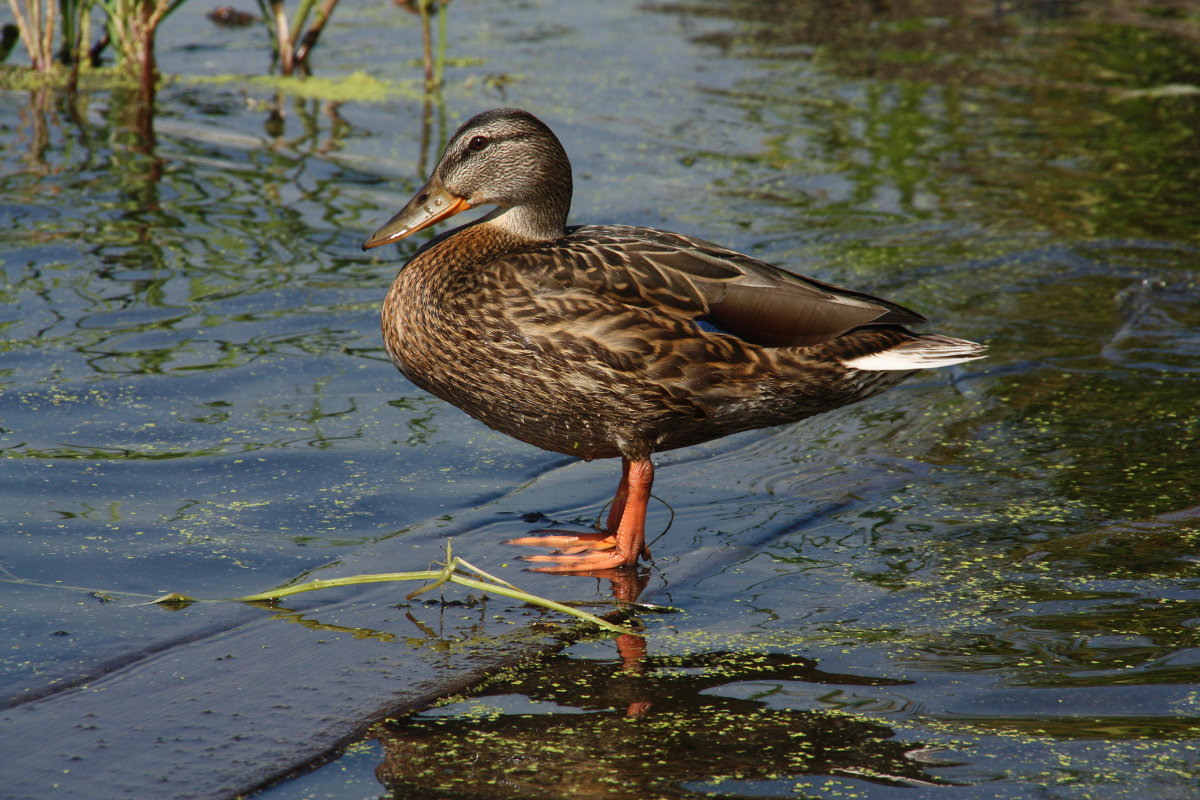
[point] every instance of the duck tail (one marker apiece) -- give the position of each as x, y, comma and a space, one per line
925, 351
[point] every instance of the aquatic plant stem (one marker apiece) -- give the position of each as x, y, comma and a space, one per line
439, 66
36, 34
132, 27
332, 583
291, 42
47, 29
451, 572
283, 37
309, 40
424, 9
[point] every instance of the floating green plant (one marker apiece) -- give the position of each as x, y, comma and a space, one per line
454, 570
358, 86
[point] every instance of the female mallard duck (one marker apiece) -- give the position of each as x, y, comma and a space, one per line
599, 341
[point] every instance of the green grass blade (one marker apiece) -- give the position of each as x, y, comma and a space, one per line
534, 599
329, 583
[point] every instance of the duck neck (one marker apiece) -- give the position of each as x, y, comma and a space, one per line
537, 223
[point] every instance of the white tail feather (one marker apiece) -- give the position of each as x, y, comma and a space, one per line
924, 352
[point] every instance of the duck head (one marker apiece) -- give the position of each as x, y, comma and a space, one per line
505, 157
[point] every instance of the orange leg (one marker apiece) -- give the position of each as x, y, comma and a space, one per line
617, 508
577, 541
620, 545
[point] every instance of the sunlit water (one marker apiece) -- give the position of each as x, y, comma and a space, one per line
985, 578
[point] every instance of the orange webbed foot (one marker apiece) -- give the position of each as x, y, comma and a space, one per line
568, 541
619, 546
583, 562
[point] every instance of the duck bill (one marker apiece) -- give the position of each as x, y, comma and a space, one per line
432, 204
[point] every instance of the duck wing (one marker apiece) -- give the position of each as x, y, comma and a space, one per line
689, 278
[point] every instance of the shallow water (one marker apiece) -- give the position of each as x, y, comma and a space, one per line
985, 578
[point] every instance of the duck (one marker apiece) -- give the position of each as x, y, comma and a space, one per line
616, 341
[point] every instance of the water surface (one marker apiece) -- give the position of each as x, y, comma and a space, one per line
984, 579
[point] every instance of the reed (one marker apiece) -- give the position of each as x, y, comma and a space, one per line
52, 31
56, 32
291, 41
132, 26
433, 60
35, 23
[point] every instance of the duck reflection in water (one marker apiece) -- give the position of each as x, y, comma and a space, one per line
580, 727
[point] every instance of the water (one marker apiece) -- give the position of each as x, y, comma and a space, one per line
985, 578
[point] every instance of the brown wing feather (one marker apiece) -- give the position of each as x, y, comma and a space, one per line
690, 278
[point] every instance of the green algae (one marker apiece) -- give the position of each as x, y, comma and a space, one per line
356, 87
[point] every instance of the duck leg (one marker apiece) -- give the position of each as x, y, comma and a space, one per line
623, 541
571, 542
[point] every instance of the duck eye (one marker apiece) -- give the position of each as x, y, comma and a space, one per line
477, 143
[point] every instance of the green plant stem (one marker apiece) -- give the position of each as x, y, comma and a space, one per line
331, 583
541, 601
423, 9
309, 40
439, 66
132, 26
46, 26
448, 574
283, 38
301, 17
451, 572
28, 29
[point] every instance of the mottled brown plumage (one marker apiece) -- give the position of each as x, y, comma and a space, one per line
604, 341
